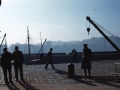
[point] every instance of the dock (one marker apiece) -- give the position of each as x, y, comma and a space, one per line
102, 70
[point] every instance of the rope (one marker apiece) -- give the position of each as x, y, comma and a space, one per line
114, 36
25, 46
34, 47
33, 41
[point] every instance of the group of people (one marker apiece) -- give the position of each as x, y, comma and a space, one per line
17, 57
6, 58
86, 60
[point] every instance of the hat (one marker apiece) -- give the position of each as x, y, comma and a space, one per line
16, 47
85, 44
4, 48
50, 48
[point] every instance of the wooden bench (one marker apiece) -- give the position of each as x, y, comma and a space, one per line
116, 68
42, 60
34, 61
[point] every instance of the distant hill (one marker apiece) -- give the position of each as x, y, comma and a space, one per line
95, 43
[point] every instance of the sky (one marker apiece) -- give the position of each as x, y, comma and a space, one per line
63, 20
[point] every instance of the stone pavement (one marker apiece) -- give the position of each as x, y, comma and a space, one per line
85, 85
38, 78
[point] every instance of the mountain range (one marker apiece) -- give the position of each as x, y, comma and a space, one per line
96, 44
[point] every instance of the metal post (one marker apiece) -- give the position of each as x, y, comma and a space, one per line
70, 70
28, 44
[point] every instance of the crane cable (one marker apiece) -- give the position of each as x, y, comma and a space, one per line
34, 47
88, 28
25, 47
114, 36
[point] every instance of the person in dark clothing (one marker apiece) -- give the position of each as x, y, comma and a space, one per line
86, 62
18, 61
49, 59
6, 59
74, 55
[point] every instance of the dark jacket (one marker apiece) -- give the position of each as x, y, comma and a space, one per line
50, 55
6, 59
18, 57
74, 54
86, 60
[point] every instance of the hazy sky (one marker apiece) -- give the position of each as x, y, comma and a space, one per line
63, 20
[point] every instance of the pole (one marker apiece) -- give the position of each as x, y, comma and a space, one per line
5, 43
41, 41
28, 43
104, 44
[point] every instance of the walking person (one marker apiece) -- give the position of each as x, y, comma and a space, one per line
50, 59
74, 55
86, 63
6, 59
18, 61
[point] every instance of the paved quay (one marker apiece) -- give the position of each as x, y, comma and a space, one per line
38, 78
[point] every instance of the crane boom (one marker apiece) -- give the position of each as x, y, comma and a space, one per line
3, 40
41, 47
101, 32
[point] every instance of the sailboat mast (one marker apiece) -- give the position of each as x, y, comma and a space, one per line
41, 41
5, 43
28, 43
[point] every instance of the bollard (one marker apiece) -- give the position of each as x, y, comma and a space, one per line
70, 70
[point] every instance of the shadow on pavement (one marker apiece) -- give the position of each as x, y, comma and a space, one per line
100, 79
26, 85
76, 78
107, 80
61, 72
12, 87
109, 84
84, 81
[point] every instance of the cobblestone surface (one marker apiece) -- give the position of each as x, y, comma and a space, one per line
37, 74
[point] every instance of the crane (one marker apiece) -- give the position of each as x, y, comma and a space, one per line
101, 32
2, 42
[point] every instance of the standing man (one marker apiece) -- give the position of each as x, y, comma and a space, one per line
74, 55
86, 63
49, 59
18, 61
6, 59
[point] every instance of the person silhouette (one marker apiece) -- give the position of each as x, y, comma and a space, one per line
50, 59
18, 61
6, 59
86, 62
74, 55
